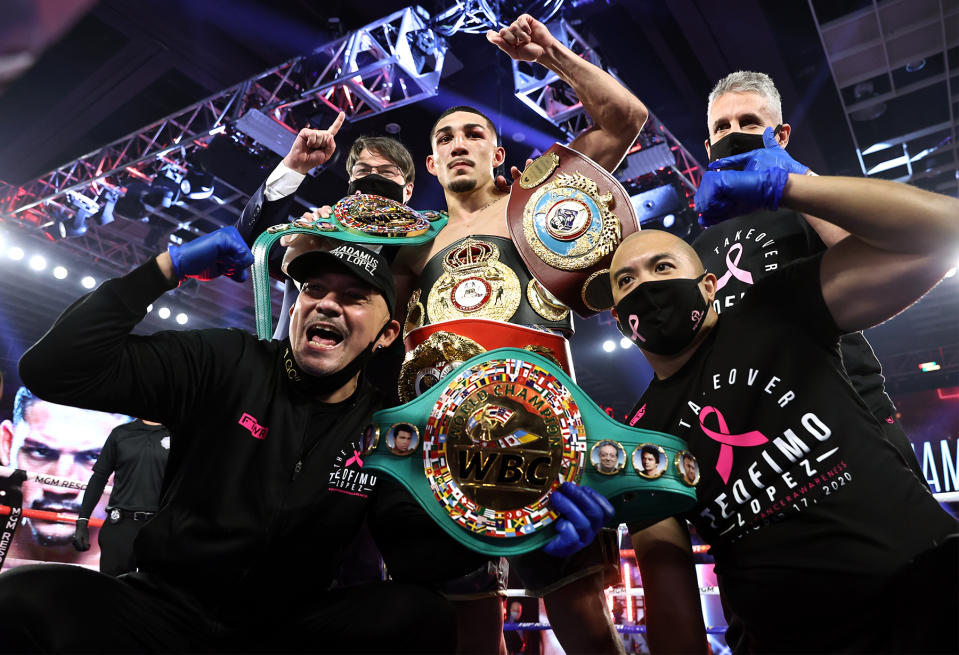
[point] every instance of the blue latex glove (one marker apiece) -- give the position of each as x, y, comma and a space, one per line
583, 511
771, 155
724, 194
218, 253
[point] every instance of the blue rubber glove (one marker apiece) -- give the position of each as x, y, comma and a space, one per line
218, 253
583, 511
771, 155
725, 194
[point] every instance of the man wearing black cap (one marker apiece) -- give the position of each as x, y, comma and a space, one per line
265, 486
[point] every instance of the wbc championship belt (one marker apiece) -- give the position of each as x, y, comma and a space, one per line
360, 218
482, 450
566, 215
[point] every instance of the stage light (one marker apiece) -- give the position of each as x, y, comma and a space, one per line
182, 318
149, 308
197, 184
609, 345
38, 263
88, 282
162, 193
625, 343
668, 220
15, 253
108, 201
163, 312
950, 272
59, 272
928, 367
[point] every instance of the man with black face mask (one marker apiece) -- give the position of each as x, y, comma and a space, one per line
378, 165
264, 488
818, 529
744, 249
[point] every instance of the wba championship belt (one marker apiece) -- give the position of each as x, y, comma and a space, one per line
566, 215
360, 218
433, 351
482, 450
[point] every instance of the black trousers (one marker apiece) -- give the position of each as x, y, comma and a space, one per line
116, 546
54, 608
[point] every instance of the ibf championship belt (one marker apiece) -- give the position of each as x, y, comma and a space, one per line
360, 218
566, 215
482, 450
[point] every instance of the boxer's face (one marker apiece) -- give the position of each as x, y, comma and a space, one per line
649, 462
689, 466
464, 152
59, 441
402, 440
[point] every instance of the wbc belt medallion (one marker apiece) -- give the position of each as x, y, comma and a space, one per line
475, 284
500, 437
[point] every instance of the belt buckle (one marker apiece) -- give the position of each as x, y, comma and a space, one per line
142, 516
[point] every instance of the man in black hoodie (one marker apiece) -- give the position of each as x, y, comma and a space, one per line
265, 486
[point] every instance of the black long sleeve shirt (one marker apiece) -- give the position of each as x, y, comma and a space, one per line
248, 504
137, 452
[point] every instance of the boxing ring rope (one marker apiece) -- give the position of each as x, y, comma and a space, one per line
54, 481
44, 515
539, 627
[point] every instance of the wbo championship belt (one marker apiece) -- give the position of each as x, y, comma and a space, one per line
482, 450
566, 215
360, 218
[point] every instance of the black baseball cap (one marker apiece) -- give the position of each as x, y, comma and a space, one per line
370, 267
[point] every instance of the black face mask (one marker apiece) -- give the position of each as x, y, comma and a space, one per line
319, 386
663, 316
377, 185
736, 143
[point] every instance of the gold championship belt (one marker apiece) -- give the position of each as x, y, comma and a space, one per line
566, 215
434, 350
474, 284
482, 450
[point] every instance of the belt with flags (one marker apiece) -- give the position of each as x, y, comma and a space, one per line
482, 449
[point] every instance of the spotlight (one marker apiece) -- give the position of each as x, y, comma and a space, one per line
928, 367
76, 225
60, 273
149, 308
164, 313
130, 205
625, 343
162, 193
182, 318
609, 345
108, 201
668, 220
15, 253
38, 263
88, 282
197, 184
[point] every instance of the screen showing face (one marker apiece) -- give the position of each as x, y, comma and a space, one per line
56, 446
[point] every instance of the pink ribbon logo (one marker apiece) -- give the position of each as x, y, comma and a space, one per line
638, 415
634, 326
355, 458
724, 464
732, 268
